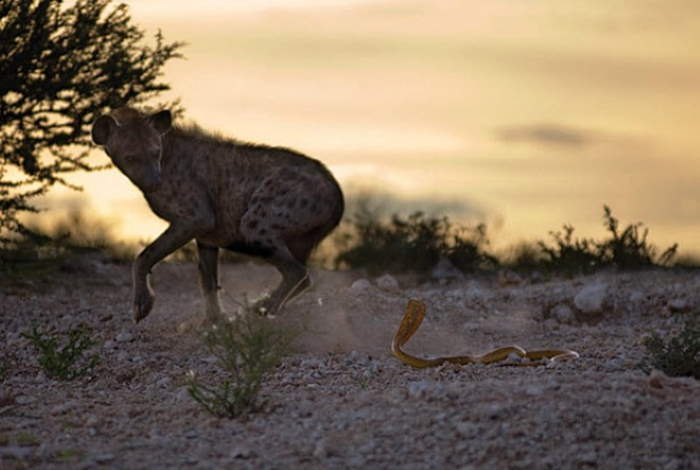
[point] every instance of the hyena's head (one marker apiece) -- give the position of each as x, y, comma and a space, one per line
134, 143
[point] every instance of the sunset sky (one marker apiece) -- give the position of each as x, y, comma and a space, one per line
526, 115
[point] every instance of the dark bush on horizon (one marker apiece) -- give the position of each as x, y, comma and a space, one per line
43, 248
417, 242
412, 244
624, 249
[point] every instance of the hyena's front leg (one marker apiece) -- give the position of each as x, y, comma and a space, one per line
209, 279
170, 240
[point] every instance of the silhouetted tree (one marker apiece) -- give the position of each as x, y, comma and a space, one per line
60, 67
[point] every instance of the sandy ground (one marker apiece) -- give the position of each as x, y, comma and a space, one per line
342, 401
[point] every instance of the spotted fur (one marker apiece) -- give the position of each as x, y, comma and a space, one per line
265, 201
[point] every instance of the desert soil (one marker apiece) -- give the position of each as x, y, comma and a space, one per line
342, 400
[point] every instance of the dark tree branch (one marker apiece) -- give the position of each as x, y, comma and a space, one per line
60, 67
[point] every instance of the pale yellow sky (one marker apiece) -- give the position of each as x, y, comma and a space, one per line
533, 113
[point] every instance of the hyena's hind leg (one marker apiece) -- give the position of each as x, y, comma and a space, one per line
295, 279
301, 249
291, 261
209, 279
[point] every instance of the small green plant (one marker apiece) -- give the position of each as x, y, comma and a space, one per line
69, 455
247, 348
26, 438
65, 362
679, 356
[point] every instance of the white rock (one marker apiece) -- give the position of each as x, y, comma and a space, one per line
466, 429
321, 449
62, 408
678, 305
361, 285
444, 269
418, 389
124, 337
211, 359
475, 292
311, 363
563, 314
425, 389
104, 458
241, 452
636, 296
16, 452
163, 382
25, 399
534, 389
92, 420
357, 358
387, 282
183, 393
590, 299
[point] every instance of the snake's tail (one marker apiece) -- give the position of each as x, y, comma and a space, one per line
552, 354
500, 354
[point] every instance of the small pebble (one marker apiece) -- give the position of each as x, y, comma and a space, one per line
25, 399
360, 285
104, 458
124, 337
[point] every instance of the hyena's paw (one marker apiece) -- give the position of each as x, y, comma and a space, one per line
143, 303
264, 307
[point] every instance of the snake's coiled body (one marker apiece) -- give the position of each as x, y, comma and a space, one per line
412, 319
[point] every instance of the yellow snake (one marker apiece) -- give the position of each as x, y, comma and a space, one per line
412, 319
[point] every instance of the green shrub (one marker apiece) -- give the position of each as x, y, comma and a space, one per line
678, 356
247, 347
65, 362
523, 256
569, 254
415, 243
466, 251
629, 248
624, 249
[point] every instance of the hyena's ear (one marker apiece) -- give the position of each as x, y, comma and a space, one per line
161, 121
101, 129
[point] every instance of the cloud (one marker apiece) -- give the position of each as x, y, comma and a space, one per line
547, 134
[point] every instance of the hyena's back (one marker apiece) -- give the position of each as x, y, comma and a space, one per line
259, 194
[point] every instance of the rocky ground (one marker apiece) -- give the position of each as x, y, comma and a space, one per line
342, 400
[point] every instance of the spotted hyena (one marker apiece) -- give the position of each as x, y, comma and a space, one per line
270, 202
